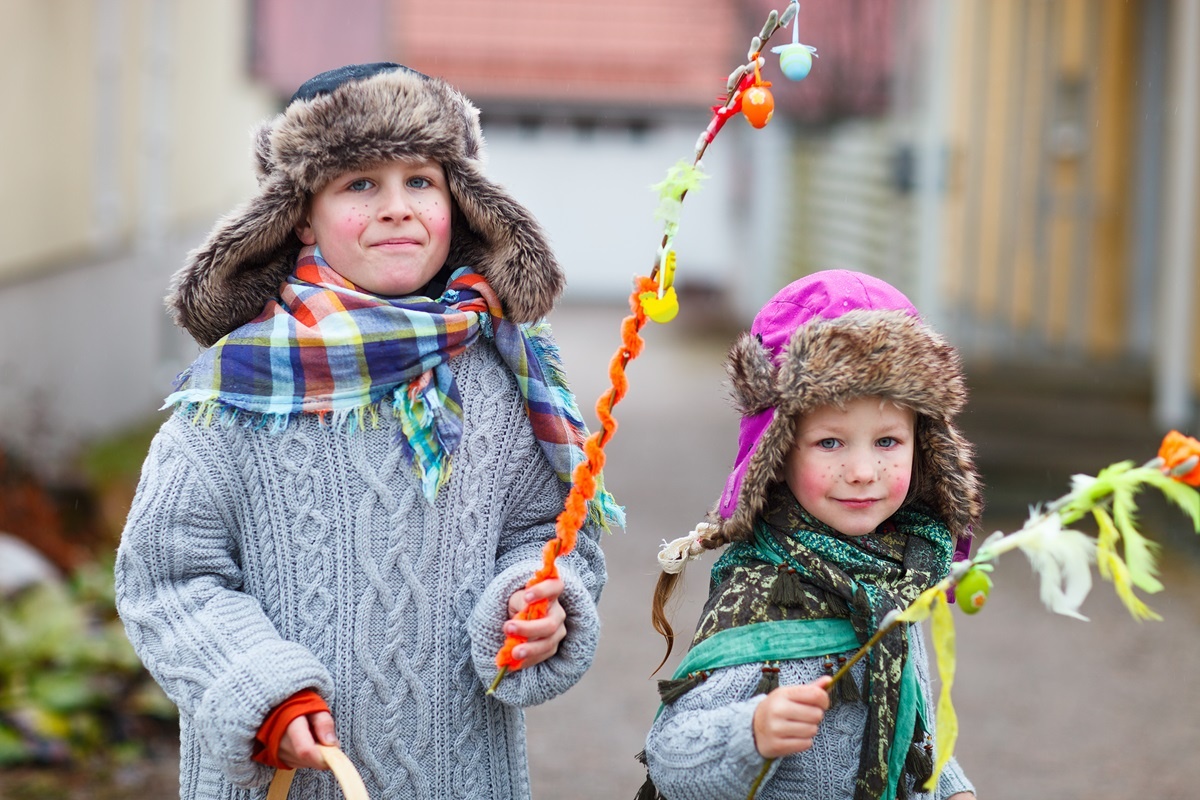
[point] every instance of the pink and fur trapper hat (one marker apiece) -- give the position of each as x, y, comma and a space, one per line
829, 338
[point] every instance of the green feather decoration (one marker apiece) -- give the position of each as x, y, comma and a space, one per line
681, 178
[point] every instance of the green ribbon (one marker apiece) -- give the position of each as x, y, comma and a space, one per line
788, 640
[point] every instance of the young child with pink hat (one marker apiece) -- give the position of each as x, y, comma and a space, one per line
851, 493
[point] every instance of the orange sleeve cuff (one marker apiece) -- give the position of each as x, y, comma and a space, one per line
270, 733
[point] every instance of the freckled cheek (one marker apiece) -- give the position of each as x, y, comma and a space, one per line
815, 480
352, 224
438, 223
898, 481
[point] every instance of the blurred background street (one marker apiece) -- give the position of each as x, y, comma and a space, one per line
1025, 170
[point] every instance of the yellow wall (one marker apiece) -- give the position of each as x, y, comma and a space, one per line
1113, 177
50, 130
1022, 218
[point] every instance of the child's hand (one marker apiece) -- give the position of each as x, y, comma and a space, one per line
787, 720
298, 747
542, 635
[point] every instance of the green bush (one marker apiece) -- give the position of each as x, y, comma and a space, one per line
70, 683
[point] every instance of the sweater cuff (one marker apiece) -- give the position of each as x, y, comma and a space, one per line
541, 682
952, 781
232, 708
270, 733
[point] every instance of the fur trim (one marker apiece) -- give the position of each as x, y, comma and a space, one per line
392, 115
752, 375
888, 354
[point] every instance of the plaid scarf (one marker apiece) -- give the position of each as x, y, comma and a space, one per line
856, 578
327, 347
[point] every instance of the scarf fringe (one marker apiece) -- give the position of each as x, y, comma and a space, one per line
206, 413
543, 344
604, 512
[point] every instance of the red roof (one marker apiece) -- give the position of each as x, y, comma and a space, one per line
659, 53
671, 52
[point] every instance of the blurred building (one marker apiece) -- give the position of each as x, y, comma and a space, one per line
124, 132
1025, 169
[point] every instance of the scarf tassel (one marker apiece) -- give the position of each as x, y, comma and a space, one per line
648, 791
846, 690
672, 690
769, 681
919, 762
847, 687
787, 591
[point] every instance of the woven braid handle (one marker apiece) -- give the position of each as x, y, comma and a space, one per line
347, 777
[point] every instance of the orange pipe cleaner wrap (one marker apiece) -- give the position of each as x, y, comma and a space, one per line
583, 481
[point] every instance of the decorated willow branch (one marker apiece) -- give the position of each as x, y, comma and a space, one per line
654, 297
1062, 558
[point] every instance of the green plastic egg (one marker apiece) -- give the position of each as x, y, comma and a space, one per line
973, 590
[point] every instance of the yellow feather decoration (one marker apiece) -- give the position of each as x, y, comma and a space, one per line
1112, 568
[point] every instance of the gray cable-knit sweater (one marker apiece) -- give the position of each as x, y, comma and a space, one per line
702, 746
255, 564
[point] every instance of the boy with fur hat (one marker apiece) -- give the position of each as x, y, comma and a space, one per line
333, 530
851, 492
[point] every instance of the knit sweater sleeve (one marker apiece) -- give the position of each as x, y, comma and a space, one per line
702, 745
178, 590
531, 508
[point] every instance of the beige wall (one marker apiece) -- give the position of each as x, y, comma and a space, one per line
45, 130
76, 175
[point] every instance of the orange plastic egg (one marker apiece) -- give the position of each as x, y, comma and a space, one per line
758, 105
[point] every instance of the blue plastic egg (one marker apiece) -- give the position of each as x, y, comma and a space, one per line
795, 60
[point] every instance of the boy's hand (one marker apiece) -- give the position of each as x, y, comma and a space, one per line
298, 747
788, 719
542, 635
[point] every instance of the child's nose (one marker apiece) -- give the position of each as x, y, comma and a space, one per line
394, 203
861, 468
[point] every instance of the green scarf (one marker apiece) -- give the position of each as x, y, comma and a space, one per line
797, 568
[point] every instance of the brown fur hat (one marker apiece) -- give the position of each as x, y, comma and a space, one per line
342, 120
827, 339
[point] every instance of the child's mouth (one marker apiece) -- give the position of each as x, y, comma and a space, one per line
857, 502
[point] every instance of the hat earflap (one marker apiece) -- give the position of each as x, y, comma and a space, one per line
950, 482
752, 375
248, 256
515, 256
765, 468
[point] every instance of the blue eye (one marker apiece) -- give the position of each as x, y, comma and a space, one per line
887, 442
828, 444
419, 182
360, 185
